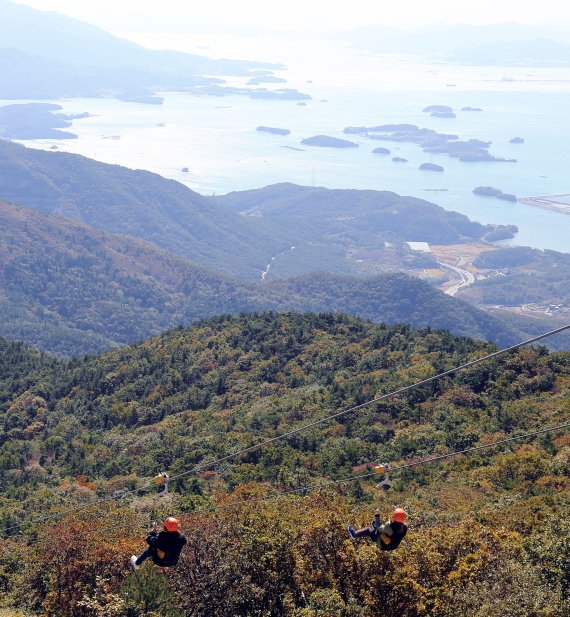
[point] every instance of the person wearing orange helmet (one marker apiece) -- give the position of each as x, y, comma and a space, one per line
388, 535
164, 548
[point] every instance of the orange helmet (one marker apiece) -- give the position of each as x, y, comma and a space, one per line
171, 524
399, 515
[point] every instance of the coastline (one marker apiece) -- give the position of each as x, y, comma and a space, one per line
549, 202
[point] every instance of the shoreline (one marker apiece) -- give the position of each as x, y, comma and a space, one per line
548, 202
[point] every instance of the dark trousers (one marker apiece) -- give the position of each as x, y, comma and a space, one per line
145, 555
367, 532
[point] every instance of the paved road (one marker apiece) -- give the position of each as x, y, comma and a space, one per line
465, 278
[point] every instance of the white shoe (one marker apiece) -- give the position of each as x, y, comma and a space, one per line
134, 562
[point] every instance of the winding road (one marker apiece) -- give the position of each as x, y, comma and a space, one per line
465, 277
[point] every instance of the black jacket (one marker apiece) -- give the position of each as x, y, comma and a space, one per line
166, 547
390, 535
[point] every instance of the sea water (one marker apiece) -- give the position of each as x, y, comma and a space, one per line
214, 138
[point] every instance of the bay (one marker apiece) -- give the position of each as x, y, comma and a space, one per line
215, 137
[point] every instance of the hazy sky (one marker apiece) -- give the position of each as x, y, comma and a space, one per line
153, 15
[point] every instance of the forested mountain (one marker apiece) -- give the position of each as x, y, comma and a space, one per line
54, 56
358, 214
527, 276
141, 204
488, 531
70, 289
300, 230
391, 298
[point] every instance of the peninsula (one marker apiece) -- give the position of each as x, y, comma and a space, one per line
36, 121
554, 203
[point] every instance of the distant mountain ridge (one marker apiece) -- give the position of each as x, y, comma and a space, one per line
323, 225
49, 55
70, 289
503, 43
64, 39
138, 203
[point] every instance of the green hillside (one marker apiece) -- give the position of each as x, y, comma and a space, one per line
528, 276
70, 289
138, 203
354, 231
392, 298
352, 212
488, 532
295, 230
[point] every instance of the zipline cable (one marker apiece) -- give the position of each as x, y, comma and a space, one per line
433, 459
401, 390
311, 487
299, 429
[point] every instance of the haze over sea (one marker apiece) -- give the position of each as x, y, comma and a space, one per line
215, 137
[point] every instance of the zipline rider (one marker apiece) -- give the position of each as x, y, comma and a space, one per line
388, 535
165, 547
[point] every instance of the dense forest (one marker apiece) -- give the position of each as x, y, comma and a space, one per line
70, 289
528, 276
324, 226
488, 531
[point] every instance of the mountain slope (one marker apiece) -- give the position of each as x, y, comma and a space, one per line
327, 228
61, 38
363, 212
393, 298
80, 445
70, 289
139, 203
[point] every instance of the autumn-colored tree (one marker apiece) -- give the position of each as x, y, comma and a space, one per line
79, 551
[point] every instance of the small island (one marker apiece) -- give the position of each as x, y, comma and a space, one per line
471, 109
431, 167
516, 140
438, 108
325, 141
399, 159
443, 114
470, 151
273, 130
389, 128
355, 130
489, 191
381, 151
